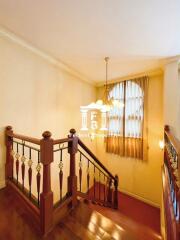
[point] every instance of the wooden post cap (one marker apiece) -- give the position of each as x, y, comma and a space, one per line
46, 134
72, 131
8, 128
166, 128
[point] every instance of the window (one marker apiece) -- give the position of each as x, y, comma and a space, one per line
126, 119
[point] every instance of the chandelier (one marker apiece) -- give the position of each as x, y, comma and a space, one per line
107, 103
104, 105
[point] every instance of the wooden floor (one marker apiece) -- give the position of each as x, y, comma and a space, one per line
85, 222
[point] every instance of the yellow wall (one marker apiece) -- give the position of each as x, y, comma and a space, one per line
138, 178
172, 97
37, 96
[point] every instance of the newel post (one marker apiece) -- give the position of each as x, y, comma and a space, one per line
9, 157
72, 179
46, 197
116, 181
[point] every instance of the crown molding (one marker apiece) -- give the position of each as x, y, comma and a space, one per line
47, 57
150, 73
171, 60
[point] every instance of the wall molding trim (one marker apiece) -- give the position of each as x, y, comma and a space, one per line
47, 57
150, 73
145, 200
2, 184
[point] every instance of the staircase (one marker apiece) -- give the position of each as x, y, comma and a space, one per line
48, 176
86, 221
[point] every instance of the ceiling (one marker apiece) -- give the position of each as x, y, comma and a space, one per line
136, 35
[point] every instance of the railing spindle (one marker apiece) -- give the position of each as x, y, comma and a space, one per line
38, 177
88, 178
60, 175
30, 162
17, 162
94, 184
23, 159
99, 186
80, 172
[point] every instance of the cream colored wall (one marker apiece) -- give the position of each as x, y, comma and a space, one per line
36, 96
138, 178
172, 97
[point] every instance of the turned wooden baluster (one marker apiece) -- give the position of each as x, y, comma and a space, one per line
60, 175
109, 193
72, 179
38, 177
104, 188
88, 178
17, 156
9, 153
94, 189
46, 197
116, 182
80, 172
23, 159
99, 186
30, 162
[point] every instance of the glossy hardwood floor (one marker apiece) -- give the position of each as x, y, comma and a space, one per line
84, 222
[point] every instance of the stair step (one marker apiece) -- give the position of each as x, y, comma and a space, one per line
100, 225
79, 230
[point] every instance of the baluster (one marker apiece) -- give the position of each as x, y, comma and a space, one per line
109, 194
116, 182
23, 159
17, 163
104, 190
88, 178
99, 186
30, 162
94, 200
80, 172
38, 176
60, 174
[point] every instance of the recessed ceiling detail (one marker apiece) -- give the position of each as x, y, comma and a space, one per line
136, 35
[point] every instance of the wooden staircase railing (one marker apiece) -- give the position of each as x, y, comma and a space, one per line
171, 185
28, 172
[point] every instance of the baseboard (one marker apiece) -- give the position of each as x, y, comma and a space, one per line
145, 200
2, 184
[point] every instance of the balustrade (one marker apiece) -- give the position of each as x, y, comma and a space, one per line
28, 171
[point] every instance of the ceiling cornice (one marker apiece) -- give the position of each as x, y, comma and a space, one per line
150, 73
50, 59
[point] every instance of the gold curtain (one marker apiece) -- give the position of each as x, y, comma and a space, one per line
127, 125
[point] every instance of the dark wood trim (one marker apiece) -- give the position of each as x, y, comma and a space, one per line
27, 203
72, 179
46, 197
24, 138
9, 157
174, 141
62, 210
62, 140
171, 224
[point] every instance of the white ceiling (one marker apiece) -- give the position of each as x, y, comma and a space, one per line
136, 34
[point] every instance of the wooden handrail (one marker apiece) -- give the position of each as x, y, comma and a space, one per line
170, 175
174, 141
24, 138
95, 158
62, 140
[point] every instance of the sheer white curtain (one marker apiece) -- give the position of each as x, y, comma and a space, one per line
127, 121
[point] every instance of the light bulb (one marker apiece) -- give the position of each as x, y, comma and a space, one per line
161, 144
99, 102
